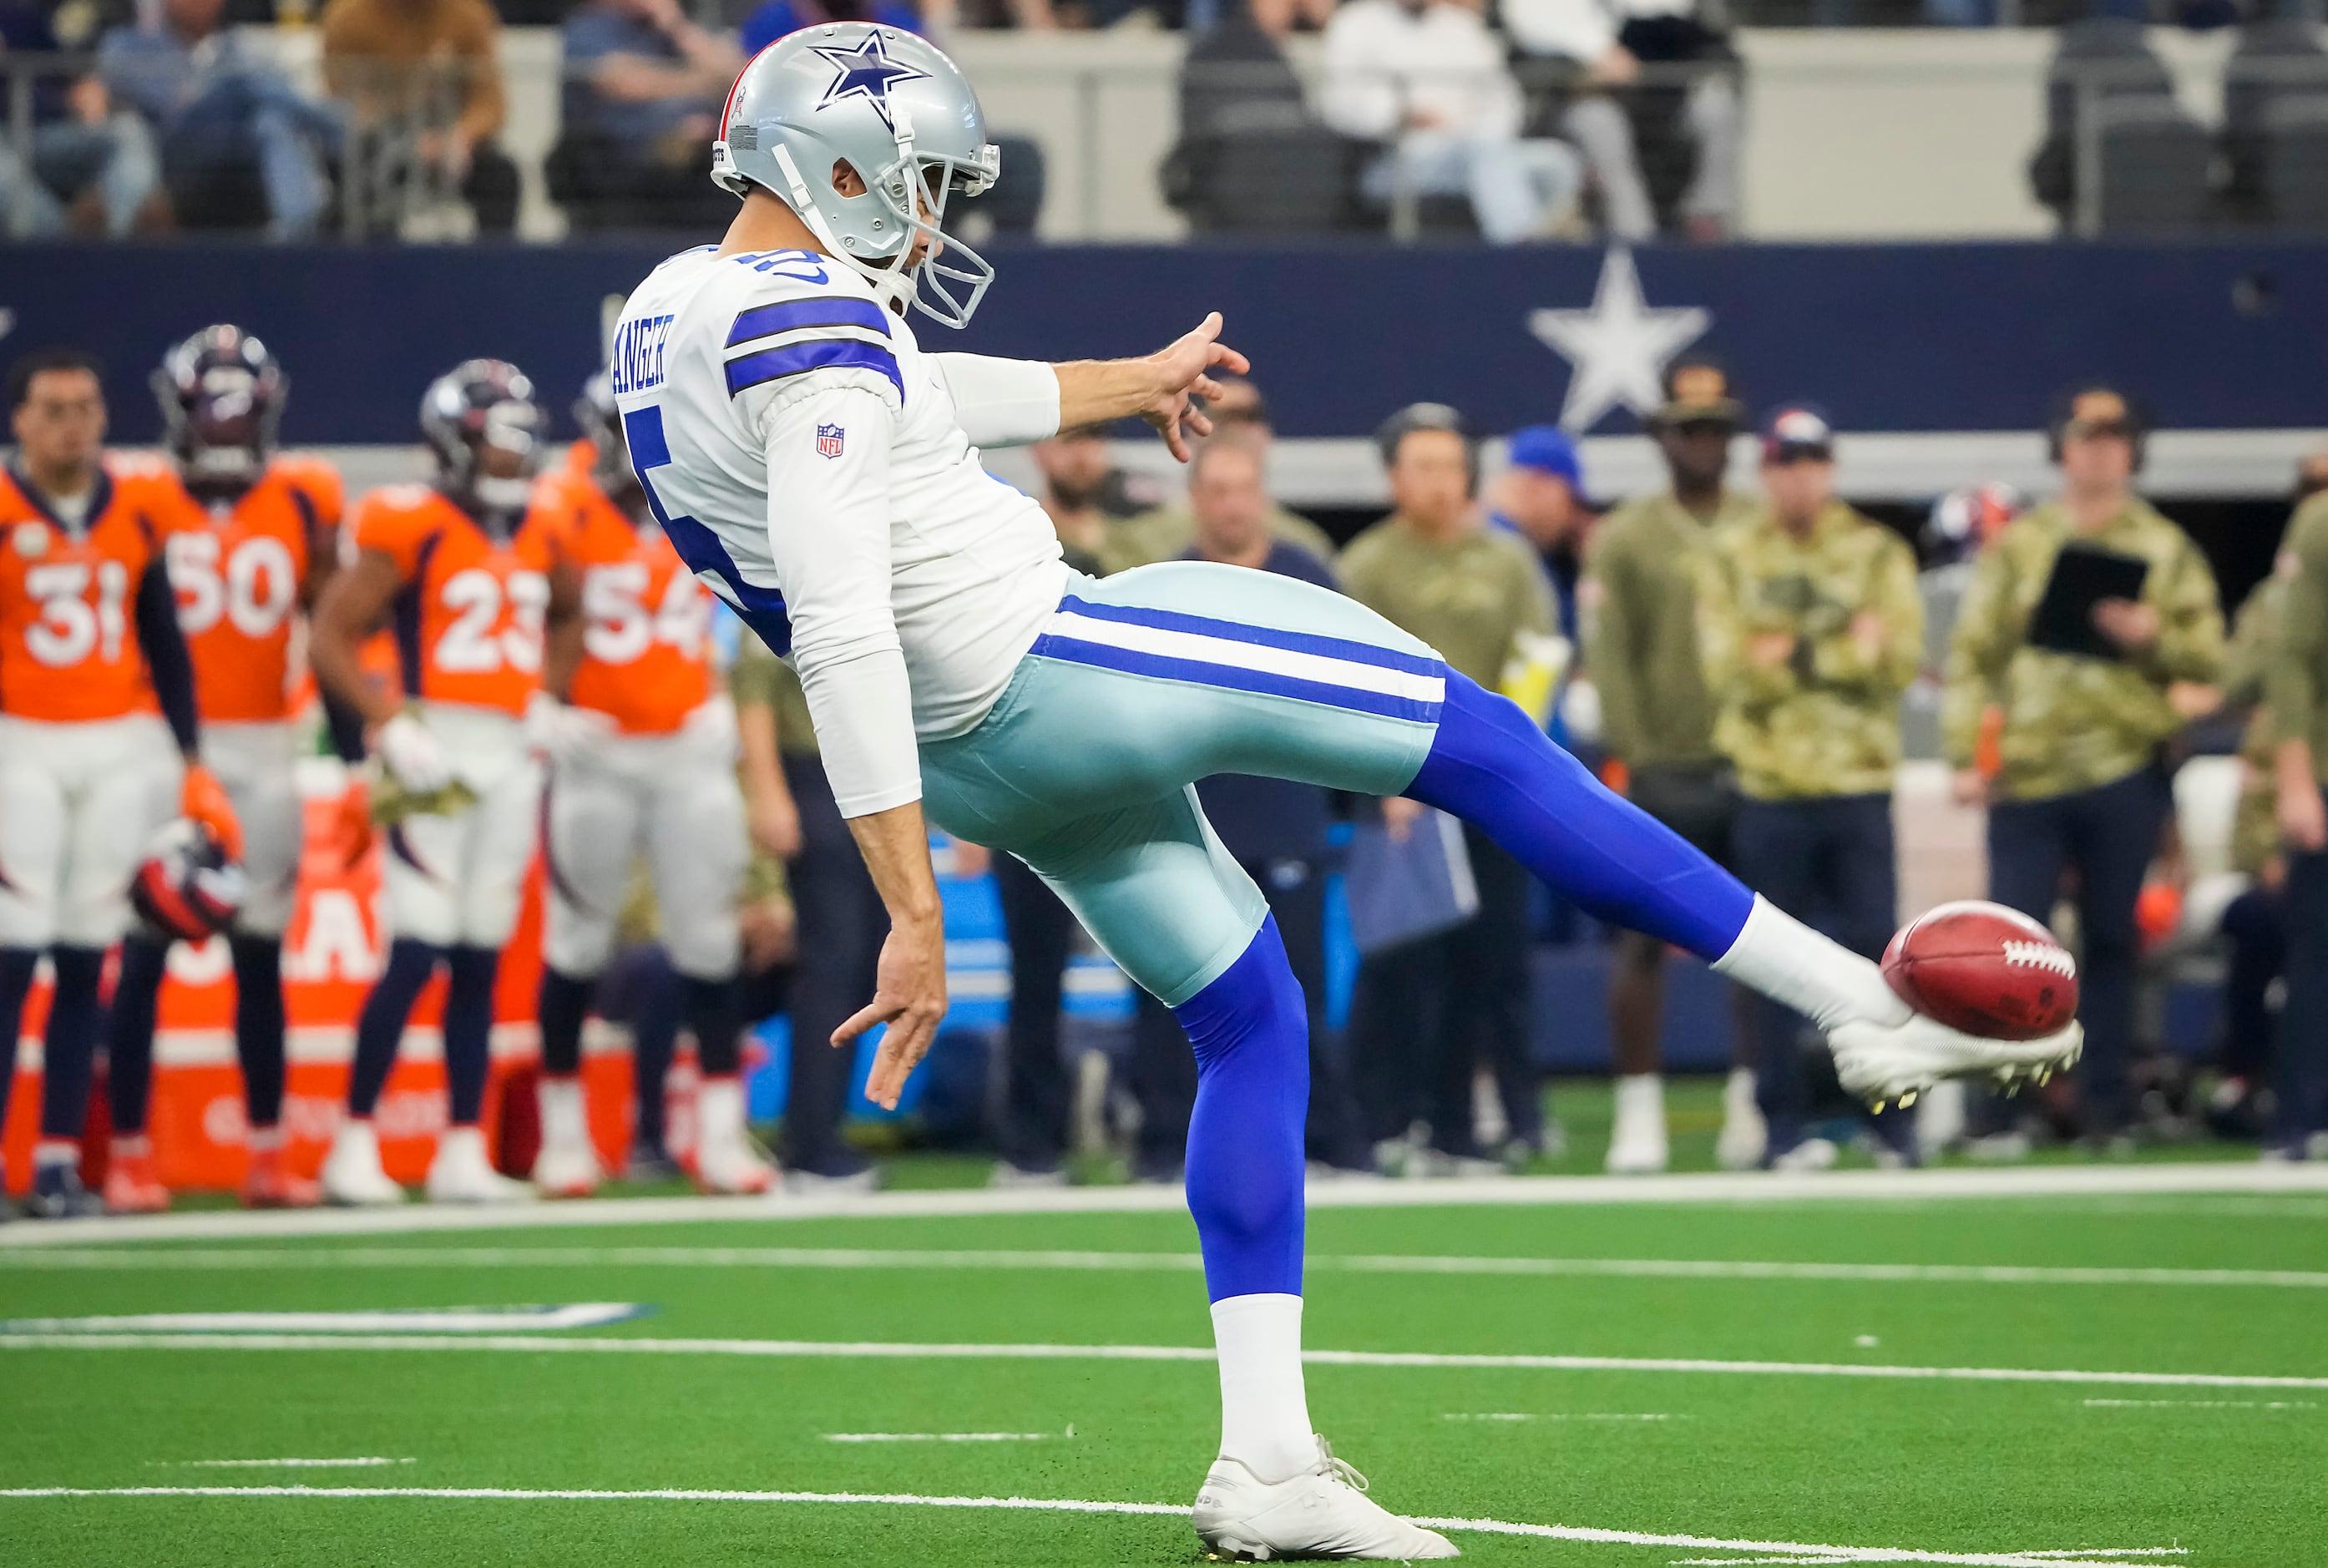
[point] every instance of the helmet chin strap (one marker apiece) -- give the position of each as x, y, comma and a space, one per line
897, 287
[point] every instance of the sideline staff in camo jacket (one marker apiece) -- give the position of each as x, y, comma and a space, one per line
2077, 784
1812, 629
1638, 603
2297, 694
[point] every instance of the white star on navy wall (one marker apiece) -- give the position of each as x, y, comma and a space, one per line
1620, 347
867, 72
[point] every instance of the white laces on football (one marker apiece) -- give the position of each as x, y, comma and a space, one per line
1340, 1470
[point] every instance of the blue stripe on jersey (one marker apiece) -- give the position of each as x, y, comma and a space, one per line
1231, 677
795, 314
798, 359
1262, 637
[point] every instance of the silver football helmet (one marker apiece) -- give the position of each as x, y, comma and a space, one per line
896, 109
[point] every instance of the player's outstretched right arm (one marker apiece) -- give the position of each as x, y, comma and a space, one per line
1157, 386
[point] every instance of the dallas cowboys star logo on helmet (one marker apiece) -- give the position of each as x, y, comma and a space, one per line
867, 72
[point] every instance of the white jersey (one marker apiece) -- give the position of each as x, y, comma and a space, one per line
817, 470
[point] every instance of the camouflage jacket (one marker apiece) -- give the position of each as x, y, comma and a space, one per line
2247, 669
1637, 606
2298, 686
2072, 722
1825, 719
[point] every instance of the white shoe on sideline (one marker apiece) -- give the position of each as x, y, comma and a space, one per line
462, 1174
732, 1167
1323, 1512
1810, 1154
352, 1176
567, 1169
1884, 1062
1745, 1137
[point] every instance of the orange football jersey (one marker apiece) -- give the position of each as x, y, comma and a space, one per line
468, 620
646, 637
68, 648
237, 572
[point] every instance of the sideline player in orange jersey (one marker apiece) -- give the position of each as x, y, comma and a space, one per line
464, 577
88, 645
642, 745
250, 536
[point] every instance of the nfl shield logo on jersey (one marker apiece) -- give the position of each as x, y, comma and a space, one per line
827, 440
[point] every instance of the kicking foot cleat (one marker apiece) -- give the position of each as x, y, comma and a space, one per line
272, 1184
1881, 1062
1322, 1512
352, 1176
462, 1174
130, 1184
58, 1194
567, 1170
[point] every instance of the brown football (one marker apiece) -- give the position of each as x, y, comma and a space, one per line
1984, 968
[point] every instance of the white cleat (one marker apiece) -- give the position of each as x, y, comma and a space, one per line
462, 1174
1323, 1512
1745, 1136
1879, 1063
352, 1176
733, 1167
567, 1170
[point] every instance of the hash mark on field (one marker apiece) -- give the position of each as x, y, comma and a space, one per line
651, 1257
939, 1436
368, 1462
2201, 1404
1791, 1551
821, 1349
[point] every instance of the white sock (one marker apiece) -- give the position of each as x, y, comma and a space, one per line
1641, 1097
565, 1119
718, 1112
1822, 980
56, 1152
461, 1146
1738, 1093
1264, 1411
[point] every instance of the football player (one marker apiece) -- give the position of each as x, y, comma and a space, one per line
642, 745
819, 471
251, 536
90, 648
463, 573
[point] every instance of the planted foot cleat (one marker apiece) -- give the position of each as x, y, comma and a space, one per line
1322, 1512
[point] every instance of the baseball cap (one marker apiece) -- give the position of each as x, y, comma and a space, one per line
1548, 449
1697, 392
1797, 431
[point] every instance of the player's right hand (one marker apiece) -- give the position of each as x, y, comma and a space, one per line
203, 799
1183, 372
909, 996
413, 754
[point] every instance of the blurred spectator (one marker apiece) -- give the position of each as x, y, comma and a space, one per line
773, 19
1811, 630
90, 167
1168, 532
1433, 1011
1540, 497
1252, 156
1275, 828
422, 84
1427, 78
643, 86
239, 149
2297, 691
1959, 528
1638, 603
841, 924
1077, 479
2059, 731
1668, 142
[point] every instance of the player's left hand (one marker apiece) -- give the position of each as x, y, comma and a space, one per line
203, 799
1184, 371
909, 995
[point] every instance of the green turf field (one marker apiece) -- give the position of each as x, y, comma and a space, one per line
828, 1356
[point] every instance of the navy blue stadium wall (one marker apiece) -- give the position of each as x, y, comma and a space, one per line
1897, 338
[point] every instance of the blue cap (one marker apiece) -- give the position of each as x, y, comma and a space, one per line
1548, 449
1797, 430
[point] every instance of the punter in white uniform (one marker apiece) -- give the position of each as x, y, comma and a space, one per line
819, 471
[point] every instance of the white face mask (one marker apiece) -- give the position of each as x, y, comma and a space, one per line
504, 494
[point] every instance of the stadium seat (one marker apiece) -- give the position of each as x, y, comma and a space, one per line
2150, 162
1290, 181
2274, 104
2156, 166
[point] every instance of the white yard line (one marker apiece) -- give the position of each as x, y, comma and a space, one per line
2200, 1404
201, 1258
1518, 1415
939, 1436
392, 1321
820, 1349
361, 1463
1790, 1549
2038, 1181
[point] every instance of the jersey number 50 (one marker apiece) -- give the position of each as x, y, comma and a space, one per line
255, 592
